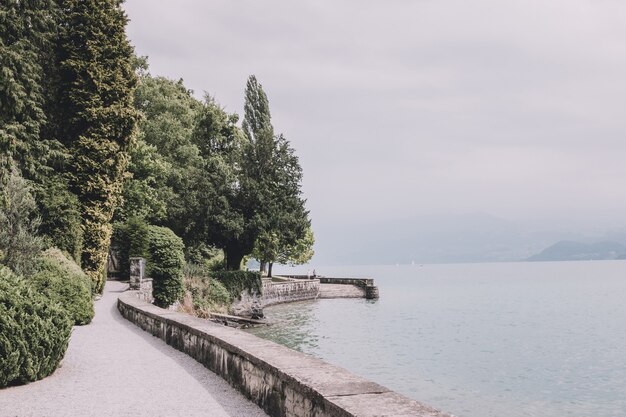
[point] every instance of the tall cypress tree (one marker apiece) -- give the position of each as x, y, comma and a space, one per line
97, 82
26, 29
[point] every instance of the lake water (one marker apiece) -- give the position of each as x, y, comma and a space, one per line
478, 340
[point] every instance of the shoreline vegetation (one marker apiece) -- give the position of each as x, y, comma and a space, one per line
101, 161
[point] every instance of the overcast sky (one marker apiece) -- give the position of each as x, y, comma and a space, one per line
413, 107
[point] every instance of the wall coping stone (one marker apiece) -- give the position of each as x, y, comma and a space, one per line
325, 389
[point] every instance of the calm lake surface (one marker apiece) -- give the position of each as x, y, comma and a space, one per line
478, 340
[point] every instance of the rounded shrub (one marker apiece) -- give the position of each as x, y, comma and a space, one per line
165, 264
60, 279
34, 331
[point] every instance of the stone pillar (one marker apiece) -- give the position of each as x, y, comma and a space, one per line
371, 292
137, 268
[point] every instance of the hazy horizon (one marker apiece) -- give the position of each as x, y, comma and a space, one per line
421, 110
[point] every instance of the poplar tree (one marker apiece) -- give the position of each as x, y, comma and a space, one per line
97, 83
256, 110
272, 176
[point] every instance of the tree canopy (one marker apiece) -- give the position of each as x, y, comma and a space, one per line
67, 117
97, 81
98, 139
275, 177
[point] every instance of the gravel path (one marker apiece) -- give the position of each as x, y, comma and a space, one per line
113, 368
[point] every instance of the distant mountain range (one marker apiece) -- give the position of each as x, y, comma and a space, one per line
577, 251
472, 237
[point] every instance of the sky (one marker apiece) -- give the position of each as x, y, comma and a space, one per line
409, 109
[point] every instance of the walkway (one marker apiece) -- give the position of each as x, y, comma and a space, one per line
113, 368
341, 291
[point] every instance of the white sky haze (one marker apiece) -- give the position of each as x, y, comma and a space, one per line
407, 108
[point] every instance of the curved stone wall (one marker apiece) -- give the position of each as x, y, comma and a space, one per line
282, 381
289, 291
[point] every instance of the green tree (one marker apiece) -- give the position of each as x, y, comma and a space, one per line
60, 213
266, 250
272, 177
226, 215
146, 191
164, 160
256, 110
299, 253
257, 168
27, 116
26, 30
97, 81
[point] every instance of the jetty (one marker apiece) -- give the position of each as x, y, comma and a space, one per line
336, 287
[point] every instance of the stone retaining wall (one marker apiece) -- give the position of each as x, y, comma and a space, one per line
361, 282
371, 291
288, 291
284, 382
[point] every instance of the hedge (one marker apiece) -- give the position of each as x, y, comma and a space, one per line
34, 331
62, 280
164, 254
165, 263
238, 281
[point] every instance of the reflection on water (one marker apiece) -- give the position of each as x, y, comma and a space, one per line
293, 325
514, 340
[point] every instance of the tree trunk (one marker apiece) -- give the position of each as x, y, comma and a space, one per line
269, 272
233, 259
262, 268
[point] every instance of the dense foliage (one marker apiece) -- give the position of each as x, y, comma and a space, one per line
34, 331
130, 239
299, 252
19, 244
26, 30
60, 214
203, 294
214, 184
67, 117
166, 261
237, 281
60, 279
273, 174
163, 251
89, 137
97, 80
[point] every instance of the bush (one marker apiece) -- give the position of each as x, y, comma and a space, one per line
60, 216
34, 332
165, 263
164, 254
19, 244
61, 280
238, 281
203, 294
